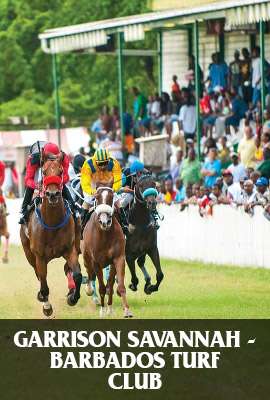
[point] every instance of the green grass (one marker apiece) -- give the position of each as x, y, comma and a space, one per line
189, 290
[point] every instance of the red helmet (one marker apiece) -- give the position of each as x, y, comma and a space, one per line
51, 148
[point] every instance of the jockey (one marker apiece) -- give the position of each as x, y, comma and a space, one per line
99, 168
130, 178
32, 180
75, 178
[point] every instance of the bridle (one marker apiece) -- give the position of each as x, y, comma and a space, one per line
142, 198
104, 208
57, 180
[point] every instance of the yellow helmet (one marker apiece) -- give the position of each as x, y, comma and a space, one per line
101, 156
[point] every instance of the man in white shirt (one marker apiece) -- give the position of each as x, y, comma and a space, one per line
231, 189
187, 116
256, 75
236, 168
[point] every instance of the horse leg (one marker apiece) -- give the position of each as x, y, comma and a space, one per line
102, 289
154, 255
43, 294
73, 263
134, 278
141, 262
5, 257
110, 284
119, 265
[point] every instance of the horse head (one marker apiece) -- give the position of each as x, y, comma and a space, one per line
146, 192
104, 204
52, 178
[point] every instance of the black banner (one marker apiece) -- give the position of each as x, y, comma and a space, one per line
242, 372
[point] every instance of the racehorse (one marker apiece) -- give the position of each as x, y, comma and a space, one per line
104, 244
4, 231
51, 233
142, 239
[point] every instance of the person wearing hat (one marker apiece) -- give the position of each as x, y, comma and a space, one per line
32, 176
231, 189
263, 195
236, 168
99, 168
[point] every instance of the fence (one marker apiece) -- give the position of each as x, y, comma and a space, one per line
230, 236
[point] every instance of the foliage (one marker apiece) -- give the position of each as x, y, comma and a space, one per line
86, 80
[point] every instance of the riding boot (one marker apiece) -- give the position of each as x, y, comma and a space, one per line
85, 215
67, 196
123, 220
28, 194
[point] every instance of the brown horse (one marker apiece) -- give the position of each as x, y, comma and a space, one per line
4, 230
104, 244
51, 233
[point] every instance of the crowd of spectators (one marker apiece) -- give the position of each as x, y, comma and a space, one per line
235, 145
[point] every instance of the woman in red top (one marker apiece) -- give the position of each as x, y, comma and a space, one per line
31, 177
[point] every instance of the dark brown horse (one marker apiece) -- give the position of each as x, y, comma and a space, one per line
51, 233
104, 244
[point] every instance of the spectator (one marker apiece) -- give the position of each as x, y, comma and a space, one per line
190, 76
175, 90
231, 189
187, 116
140, 111
254, 176
266, 140
266, 125
236, 168
211, 168
115, 119
190, 172
256, 75
106, 120
217, 197
246, 76
218, 73
259, 150
238, 111
234, 72
264, 168
224, 153
247, 148
263, 195
249, 192
181, 191
113, 145
170, 194
176, 165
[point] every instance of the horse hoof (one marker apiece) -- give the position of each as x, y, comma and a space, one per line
109, 310
127, 313
47, 311
72, 300
41, 298
102, 312
152, 288
89, 291
133, 287
147, 290
96, 301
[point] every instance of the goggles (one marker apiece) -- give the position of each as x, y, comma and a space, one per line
102, 163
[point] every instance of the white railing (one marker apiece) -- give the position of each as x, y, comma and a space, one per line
230, 236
